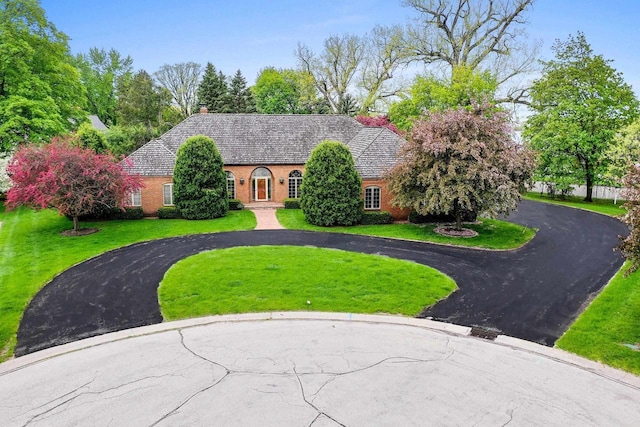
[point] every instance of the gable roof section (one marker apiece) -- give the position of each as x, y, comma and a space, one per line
264, 139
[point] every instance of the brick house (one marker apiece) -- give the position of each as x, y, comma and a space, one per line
265, 154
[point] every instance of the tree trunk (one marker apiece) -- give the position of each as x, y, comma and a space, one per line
75, 224
589, 186
457, 211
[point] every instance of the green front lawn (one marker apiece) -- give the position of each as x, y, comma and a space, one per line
492, 234
603, 206
32, 252
611, 321
286, 278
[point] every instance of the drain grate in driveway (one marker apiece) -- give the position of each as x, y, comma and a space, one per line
486, 333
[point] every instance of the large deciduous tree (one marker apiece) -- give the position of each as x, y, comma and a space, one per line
479, 34
141, 101
461, 89
331, 186
286, 92
200, 183
181, 80
460, 160
74, 180
623, 152
40, 90
101, 73
579, 104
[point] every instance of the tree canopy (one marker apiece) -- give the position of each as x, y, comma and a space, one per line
460, 160
579, 104
200, 182
286, 91
213, 91
182, 81
74, 180
484, 35
40, 90
141, 101
101, 73
433, 94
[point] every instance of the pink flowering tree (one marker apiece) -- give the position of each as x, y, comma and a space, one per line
630, 245
378, 121
461, 160
71, 179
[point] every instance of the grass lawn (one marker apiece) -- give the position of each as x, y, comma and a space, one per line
493, 234
611, 321
603, 206
32, 252
284, 278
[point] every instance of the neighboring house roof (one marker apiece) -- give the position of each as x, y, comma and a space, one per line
267, 139
97, 123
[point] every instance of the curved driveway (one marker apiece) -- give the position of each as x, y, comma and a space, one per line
532, 293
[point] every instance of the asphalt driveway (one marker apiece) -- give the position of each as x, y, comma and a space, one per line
532, 293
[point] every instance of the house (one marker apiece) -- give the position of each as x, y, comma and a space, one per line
265, 154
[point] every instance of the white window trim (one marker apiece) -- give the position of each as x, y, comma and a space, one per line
164, 200
373, 189
136, 195
231, 178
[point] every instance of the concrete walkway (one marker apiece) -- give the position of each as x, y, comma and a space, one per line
311, 369
267, 219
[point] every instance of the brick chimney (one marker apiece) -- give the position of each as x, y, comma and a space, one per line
203, 109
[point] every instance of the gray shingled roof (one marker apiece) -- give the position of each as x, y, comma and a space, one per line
263, 139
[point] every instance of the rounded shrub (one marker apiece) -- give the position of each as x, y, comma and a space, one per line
331, 187
199, 180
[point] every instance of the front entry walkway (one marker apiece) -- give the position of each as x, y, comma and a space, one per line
266, 217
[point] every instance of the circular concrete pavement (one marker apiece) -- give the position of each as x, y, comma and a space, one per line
311, 369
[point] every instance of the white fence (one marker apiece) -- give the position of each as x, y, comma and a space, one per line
599, 191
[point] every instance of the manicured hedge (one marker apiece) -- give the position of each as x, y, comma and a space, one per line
235, 205
168, 213
375, 218
292, 203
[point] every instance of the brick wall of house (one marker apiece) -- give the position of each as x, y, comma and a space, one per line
152, 191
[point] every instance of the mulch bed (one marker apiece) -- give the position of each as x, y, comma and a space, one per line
452, 232
80, 232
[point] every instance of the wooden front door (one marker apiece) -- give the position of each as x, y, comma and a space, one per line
262, 193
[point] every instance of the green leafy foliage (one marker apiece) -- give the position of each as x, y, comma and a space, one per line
101, 73
89, 137
235, 205
41, 95
579, 104
286, 92
331, 187
622, 153
213, 91
141, 101
431, 94
291, 203
458, 161
168, 212
373, 218
200, 183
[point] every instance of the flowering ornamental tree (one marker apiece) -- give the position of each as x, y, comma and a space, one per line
461, 160
73, 180
630, 246
379, 121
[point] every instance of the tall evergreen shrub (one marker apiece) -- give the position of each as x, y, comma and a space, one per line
200, 183
331, 186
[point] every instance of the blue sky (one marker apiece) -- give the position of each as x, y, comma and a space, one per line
251, 34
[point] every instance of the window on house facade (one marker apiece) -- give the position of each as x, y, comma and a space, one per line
372, 198
167, 194
295, 180
136, 198
231, 185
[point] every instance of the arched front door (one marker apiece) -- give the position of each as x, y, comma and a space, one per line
261, 184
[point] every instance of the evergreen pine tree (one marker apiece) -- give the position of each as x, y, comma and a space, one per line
214, 91
242, 100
